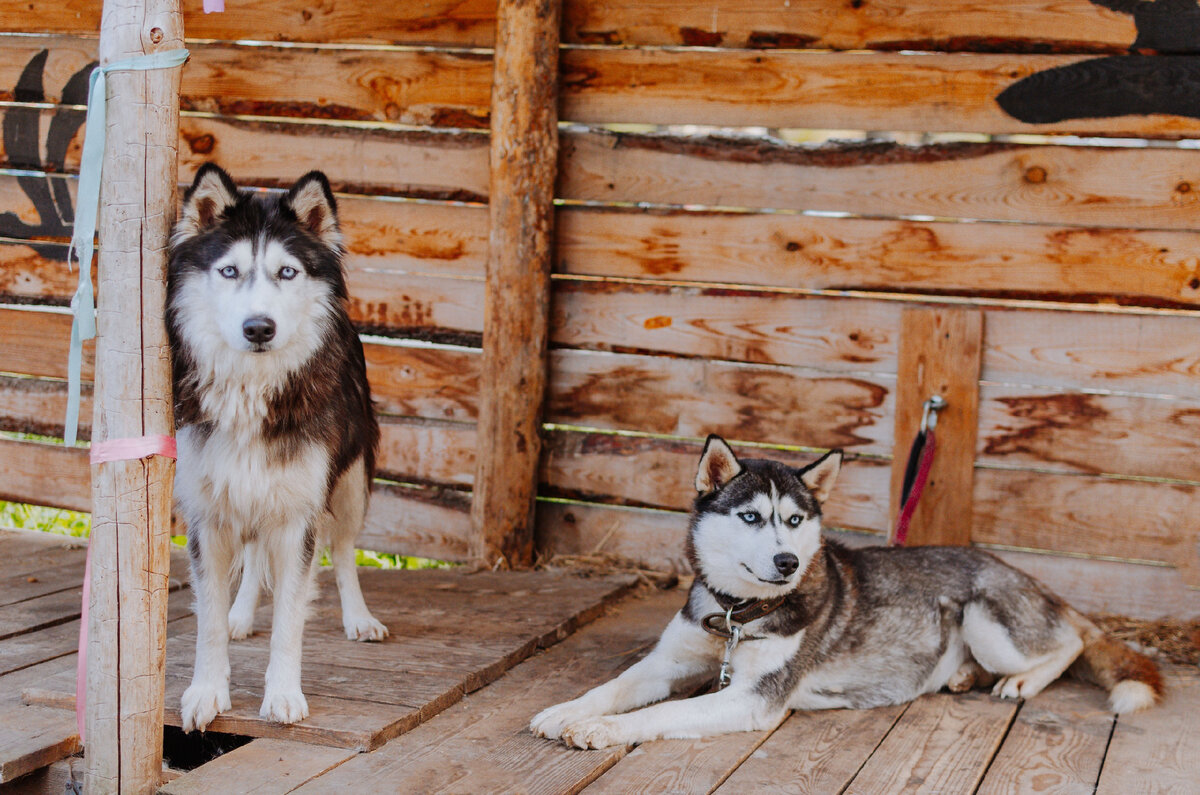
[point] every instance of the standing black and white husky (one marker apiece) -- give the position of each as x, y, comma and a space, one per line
276, 430
822, 626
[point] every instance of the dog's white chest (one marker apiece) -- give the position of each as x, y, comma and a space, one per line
234, 479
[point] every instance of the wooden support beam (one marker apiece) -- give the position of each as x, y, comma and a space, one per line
132, 499
940, 354
524, 156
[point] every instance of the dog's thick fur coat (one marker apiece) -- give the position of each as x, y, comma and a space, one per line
276, 430
856, 628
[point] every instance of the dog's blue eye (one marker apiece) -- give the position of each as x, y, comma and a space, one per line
796, 520
229, 272
287, 272
750, 517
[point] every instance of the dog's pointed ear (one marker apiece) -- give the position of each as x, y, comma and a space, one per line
819, 476
718, 465
212, 193
312, 200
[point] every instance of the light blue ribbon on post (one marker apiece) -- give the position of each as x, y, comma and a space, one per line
87, 206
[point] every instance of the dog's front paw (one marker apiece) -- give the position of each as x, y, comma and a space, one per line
201, 703
284, 706
550, 722
599, 732
364, 627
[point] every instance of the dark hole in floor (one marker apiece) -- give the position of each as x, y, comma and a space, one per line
188, 751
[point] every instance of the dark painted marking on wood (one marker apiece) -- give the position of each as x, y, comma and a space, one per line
1123, 85
22, 146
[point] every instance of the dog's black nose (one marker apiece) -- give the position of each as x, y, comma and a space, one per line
259, 330
787, 563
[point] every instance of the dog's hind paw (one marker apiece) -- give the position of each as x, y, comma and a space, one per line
201, 703
365, 627
240, 626
284, 707
601, 732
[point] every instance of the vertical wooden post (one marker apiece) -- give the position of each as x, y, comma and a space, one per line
132, 499
524, 158
940, 354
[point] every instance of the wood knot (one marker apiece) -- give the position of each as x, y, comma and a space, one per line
392, 111
202, 144
792, 245
156, 35
306, 15
1194, 283
1183, 187
1035, 175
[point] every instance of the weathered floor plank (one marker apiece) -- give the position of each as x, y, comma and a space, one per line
263, 767
819, 751
1158, 750
942, 743
483, 744
1056, 744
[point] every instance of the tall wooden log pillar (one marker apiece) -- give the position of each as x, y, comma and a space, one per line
941, 352
132, 499
524, 159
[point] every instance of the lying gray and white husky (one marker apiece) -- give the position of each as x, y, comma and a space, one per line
276, 430
821, 626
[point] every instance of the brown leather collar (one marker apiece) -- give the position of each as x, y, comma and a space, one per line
738, 613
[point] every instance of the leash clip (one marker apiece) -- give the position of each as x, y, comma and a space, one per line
735, 635
929, 412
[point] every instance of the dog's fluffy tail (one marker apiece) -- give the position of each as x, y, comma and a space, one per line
1131, 678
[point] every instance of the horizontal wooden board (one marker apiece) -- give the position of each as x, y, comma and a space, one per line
865, 91
1088, 516
1022, 25
881, 91
816, 253
457, 22
1074, 185
1019, 26
390, 240
1005, 182
409, 85
45, 474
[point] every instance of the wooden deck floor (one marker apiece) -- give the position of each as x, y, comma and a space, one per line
444, 705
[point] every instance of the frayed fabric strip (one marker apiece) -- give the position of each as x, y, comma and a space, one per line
132, 449
87, 207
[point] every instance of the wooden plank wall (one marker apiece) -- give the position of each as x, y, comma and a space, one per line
748, 285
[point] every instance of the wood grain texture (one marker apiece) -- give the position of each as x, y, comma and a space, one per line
457, 22
681, 765
940, 354
874, 91
44, 474
483, 745
1004, 182
1148, 592
33, 737
408, 86
806, 252
819, 751
1021, 26
942, 742
1054, 185
1056, 744
131, 500
264, 766
1088, 516
1157, 750
516, 307
861, 91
